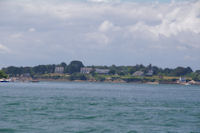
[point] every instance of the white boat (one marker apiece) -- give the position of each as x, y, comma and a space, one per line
5, 80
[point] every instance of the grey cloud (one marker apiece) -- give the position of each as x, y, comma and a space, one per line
101, 33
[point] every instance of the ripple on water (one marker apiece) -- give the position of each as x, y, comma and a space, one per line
7, 130
83, 108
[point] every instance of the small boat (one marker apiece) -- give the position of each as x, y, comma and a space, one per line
4, 80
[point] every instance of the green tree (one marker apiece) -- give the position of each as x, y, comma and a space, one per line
77, 76
195, 76
63, 64
13, 71
3, 74
74, 66
112, 71
181, 71
131, 70
197, 71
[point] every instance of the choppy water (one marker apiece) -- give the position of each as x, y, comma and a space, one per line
98, 107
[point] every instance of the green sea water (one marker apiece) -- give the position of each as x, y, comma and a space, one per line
75, 107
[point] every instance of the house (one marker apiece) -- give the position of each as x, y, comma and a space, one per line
86, 70
59, 69
149, 73
27, 75
182, 80
102, 71
138, 73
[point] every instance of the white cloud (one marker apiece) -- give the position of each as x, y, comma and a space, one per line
31, 29
106, 25
101, 39
123, 27
178, 18
16, 35
4, 49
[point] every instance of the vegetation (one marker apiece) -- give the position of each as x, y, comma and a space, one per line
72, 72
74, 67
77, 76
3, 74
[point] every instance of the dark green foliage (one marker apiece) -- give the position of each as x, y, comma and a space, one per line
133, 79
196, 76
181, 71
3, 74
121, 73
74, 67
112, 72
100, 78
13, 71
63, 64
42, 69
156, 70
131, 70
197, 71
77, 76
167, 71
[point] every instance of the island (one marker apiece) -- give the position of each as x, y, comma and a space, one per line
77, 71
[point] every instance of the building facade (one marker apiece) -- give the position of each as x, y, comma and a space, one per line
102, 71
138, 73
85, 70
59, 69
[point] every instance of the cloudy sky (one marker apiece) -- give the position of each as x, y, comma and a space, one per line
100, 32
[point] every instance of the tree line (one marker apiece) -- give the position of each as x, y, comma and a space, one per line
75, 66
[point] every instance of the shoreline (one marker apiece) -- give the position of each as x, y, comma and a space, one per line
107, 81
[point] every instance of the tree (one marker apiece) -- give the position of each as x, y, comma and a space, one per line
3, 74
63, 64
156, 70
77, 76
149, 67
131, 70
74, 66
13, 71
40, 69
112, 71
121, 73
181, 71
195, 76
197, 71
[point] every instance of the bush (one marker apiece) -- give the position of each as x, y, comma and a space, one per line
77, 76
196, 77
133, 79
3, 75
100, 78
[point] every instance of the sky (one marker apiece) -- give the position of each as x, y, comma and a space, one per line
100, 32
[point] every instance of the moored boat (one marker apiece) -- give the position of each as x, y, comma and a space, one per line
5, 80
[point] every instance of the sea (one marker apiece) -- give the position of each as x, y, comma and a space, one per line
86, 107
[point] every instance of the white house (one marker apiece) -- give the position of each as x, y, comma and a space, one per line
182, 79
86, 70
138, 73
149, 73
59, 69
102, 71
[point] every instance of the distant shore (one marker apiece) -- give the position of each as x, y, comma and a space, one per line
105, 81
